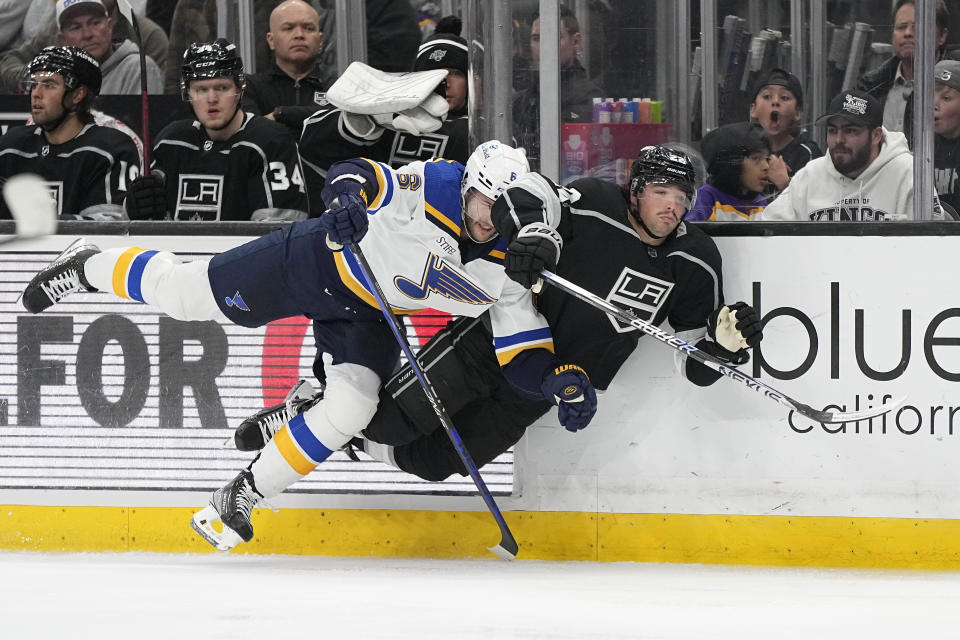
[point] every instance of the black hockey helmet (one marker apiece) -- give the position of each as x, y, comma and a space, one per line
205, 60
75, 65
660, 165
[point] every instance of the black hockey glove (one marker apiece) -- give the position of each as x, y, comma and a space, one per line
346, 220
147, 198
732, 330
536, 247
569, 388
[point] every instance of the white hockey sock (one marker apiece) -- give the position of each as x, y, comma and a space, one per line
158, 278
381, 452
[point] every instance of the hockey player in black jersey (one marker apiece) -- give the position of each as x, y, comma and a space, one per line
87, 167
332, 134
631, 248
225, 164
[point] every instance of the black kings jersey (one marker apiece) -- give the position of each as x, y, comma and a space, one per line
325, 141
679, 281
87, 176
255, 174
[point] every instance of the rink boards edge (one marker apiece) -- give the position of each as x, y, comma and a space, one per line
902, 543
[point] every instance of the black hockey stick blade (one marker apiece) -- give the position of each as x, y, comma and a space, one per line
34, 211
826, 417
508, 547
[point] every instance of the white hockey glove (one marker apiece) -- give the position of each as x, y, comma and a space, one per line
733, 329
405, 102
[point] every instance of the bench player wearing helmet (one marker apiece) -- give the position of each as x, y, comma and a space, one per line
409, 223
630, 247
225, 164
87, 167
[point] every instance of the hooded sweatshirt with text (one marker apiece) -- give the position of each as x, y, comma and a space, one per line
818, 192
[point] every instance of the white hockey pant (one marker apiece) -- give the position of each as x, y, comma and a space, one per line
349, 402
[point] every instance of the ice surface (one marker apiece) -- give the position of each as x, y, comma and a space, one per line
238, 597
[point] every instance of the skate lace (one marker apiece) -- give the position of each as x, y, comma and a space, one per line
245, 500
272, 422
62, 284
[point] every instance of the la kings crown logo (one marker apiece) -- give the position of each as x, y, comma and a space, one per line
639, 293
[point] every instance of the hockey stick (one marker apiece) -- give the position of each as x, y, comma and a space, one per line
127, 11
508, 548
28, 198
827, 417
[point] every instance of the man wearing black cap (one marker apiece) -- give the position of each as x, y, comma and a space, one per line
866, 176
778, 108
946, 127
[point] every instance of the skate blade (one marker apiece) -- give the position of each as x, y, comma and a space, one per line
202, 522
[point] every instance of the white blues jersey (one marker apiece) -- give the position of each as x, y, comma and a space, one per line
87, 176
415, 247
254, 175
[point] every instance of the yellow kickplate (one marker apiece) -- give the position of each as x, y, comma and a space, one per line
758, 540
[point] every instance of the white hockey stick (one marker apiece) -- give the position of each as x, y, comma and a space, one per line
33, 210
826, 417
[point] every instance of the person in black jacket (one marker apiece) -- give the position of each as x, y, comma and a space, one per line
576, 89
892, 82
293, 78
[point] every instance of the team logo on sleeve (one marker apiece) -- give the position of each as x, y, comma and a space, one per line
639, 293
409, 148
199, 197
440, 277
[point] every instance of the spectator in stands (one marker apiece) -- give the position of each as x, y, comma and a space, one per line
576, 89
161, 12
87, 167
892, 82
777, 107
392, 35
293, 78
946, 127
738, 164
12, 15
867, 174
88, 25
13, 63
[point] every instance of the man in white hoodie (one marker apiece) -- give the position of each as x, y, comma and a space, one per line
87, 25
867, 175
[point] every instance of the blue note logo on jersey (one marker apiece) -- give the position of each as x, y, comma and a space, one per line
440, 277
640, 293
236, 302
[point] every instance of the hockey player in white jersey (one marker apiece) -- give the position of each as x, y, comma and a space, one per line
427, 233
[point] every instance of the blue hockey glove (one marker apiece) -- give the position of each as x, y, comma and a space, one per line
346, 220
569, 388
733, 329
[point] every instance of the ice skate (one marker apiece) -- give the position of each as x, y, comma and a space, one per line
257, 430
60, 278
230, 506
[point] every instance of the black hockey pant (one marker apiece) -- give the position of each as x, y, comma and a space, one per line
488, 413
